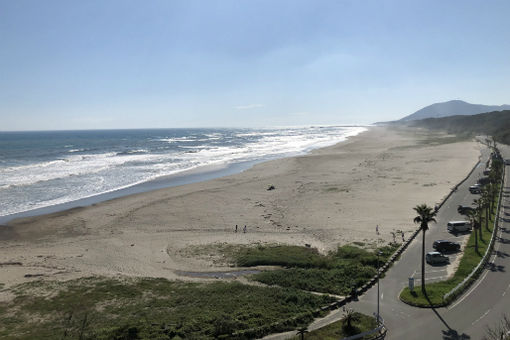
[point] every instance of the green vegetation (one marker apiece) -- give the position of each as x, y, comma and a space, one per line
307, 269
470, 259
95, 308
338, 330
496, 124
425, 216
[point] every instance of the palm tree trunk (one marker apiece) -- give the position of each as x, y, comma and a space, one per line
423, 263
487, 216
479, 227
476, 241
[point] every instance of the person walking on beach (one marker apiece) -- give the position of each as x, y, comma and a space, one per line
244, 229
403, 238
236, 229
377, 229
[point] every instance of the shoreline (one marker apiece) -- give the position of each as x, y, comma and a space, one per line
206, 173
328, 197
196, 175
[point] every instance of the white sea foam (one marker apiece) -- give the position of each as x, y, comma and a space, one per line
77, 176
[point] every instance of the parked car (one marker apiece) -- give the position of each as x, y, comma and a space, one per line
458, 226
444, 246
463, 209
435, 257
475, 189
483, 181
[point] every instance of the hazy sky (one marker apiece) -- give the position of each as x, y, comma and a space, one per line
142, 64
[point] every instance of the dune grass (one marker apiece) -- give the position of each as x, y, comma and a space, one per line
100, 308
307, 269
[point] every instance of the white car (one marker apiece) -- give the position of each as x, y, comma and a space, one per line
435, 257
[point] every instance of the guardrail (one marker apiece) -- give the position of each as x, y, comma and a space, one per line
470, 278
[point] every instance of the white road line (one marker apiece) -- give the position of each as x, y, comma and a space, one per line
382, 296
435, 271
469, 291
480, 318
430, 278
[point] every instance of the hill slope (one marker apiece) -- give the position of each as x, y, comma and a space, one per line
496, 124
451, 108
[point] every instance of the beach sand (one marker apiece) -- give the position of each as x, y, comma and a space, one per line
332, 196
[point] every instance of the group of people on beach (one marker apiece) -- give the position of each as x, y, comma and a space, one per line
244, 229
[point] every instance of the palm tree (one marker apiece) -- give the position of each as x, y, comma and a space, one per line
301, 331
479, 210
486, 204
472, 215
425, 215
350, 316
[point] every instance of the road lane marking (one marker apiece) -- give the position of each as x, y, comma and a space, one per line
480, 318
469, 291
430, 278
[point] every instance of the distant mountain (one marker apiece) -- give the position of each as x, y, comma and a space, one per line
496, 124
452, 108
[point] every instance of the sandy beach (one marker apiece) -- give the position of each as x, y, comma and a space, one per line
332, 196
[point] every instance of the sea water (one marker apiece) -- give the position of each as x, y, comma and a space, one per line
42, 169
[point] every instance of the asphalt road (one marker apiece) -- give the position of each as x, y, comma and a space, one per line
482, 306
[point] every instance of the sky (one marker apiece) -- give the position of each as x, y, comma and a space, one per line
110, 64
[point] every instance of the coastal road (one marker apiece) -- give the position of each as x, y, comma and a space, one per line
481, 306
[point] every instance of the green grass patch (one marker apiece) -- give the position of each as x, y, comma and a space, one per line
281, 255
307, 269
470, 259
337, 330
98, 308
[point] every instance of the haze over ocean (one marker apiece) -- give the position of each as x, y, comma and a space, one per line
41, 169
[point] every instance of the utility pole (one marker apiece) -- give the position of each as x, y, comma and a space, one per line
378, 292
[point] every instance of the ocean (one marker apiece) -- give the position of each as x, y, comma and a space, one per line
51, 168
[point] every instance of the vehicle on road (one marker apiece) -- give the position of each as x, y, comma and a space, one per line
444, 246
458, 226
483, 181
435, 257
475, 189
463, 209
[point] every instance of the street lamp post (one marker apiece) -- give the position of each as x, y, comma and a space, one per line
378, 294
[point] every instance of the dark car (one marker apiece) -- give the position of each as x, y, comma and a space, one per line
444, 246
463, 209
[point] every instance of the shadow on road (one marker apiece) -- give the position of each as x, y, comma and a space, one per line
450, 333
500, 253
495, 268
505, 230
502, 240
